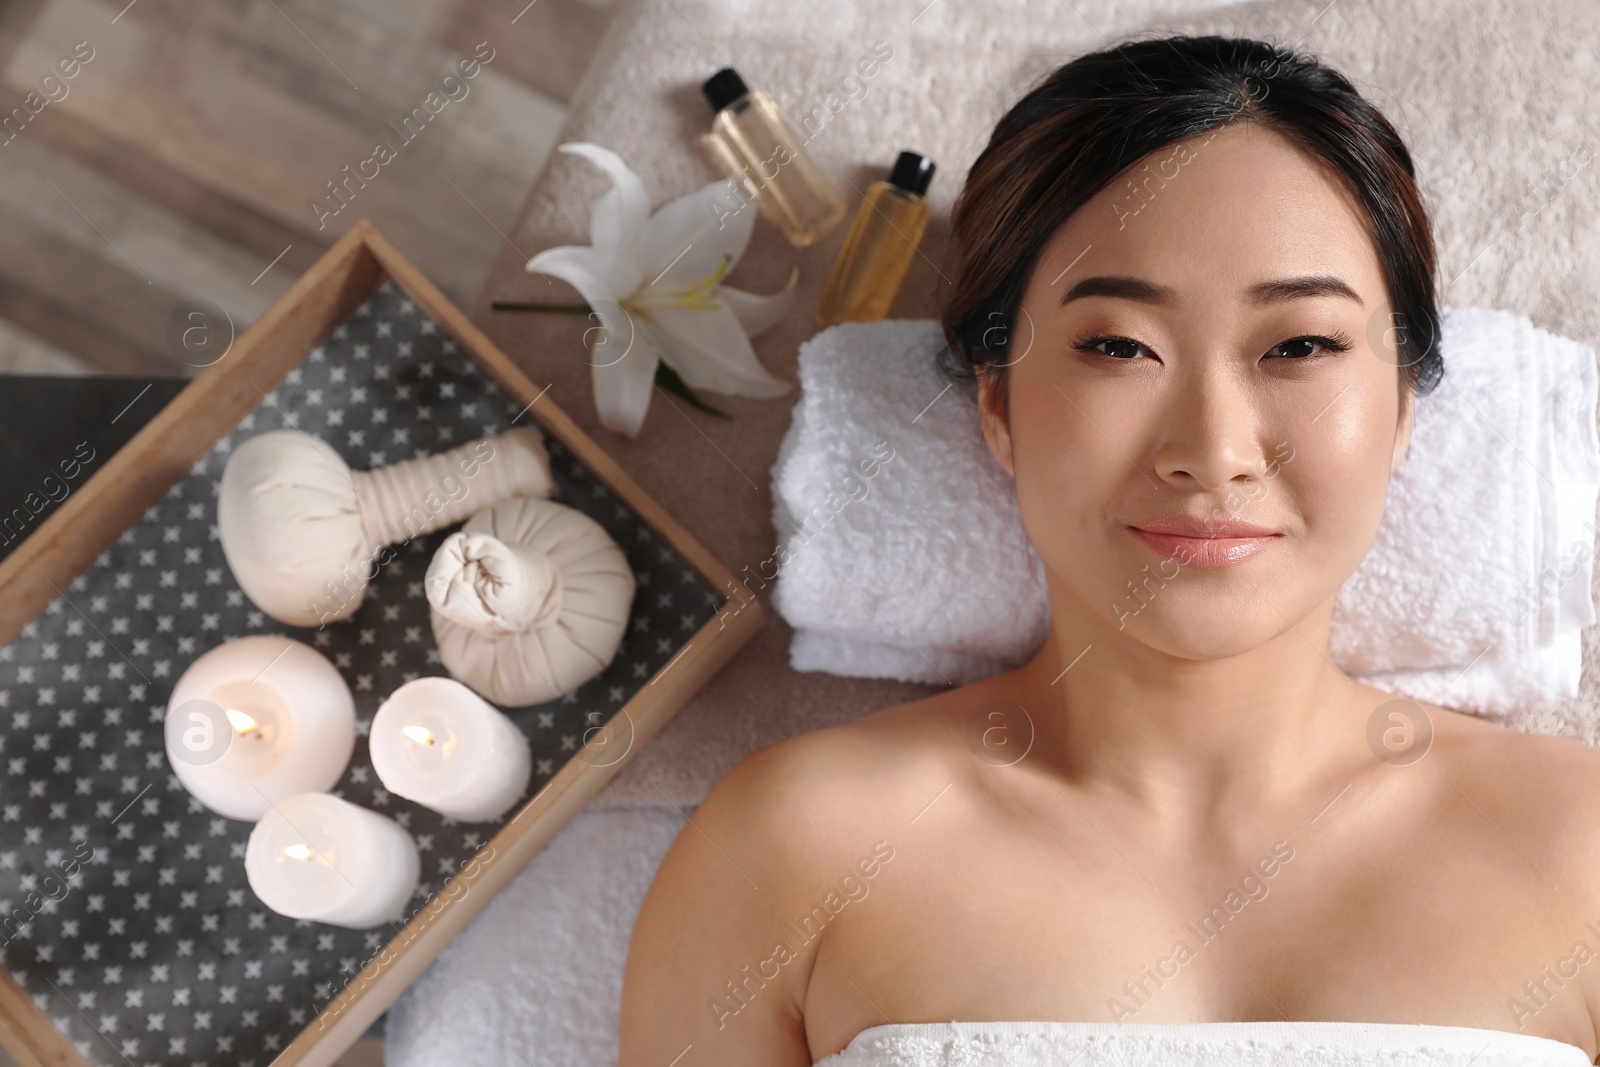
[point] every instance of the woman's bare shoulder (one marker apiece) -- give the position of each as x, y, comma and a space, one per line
1540, 790
1514, 757
836, 768
710, 964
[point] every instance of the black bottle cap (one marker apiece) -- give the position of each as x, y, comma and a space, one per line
723, 88
912, 172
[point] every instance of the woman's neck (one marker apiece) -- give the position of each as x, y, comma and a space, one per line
1185, 736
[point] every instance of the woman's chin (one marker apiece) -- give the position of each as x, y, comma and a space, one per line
1202, 635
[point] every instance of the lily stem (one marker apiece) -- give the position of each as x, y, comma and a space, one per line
668, 379
512, 305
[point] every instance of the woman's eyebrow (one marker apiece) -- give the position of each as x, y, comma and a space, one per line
1270, 292
1307, 285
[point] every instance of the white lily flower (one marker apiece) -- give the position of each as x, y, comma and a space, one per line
655, 283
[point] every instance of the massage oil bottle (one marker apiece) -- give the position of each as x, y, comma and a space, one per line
879, 247
758, 146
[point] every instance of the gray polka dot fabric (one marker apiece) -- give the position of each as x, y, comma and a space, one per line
124, 909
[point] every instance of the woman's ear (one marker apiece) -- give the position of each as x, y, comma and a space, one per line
1402, 436
992, 416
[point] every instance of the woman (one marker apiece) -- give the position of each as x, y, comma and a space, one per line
1194, 283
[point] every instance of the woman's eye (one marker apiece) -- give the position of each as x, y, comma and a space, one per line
1295, 349
1306, 347
1122, 348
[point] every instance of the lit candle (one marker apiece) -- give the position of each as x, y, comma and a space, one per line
314, 856
440, 744
257, 719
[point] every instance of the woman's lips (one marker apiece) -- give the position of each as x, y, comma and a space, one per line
1204, 551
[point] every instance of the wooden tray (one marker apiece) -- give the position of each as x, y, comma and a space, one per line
56, 557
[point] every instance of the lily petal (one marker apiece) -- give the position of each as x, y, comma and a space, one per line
655, 283
618, 215
710, 350
591, 271
622, 387
758, 312
685, 241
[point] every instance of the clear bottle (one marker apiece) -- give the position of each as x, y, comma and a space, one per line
762, 150
879, 247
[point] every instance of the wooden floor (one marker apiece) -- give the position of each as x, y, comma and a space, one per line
183, 161
186, 158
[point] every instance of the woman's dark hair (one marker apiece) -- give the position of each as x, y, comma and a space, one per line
1090, 120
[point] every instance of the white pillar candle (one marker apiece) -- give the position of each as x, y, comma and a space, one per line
257, 719
440, 744
314, 856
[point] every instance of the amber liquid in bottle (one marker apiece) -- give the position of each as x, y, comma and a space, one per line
762, 151
878, 250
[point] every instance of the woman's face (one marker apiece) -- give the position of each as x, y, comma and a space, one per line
1210, 401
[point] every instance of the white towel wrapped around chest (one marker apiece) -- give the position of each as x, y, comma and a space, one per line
1274, 1043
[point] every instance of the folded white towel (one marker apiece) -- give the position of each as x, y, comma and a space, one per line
1472, 595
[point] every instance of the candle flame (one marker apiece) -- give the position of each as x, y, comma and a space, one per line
243, 723
420, 734
298, 852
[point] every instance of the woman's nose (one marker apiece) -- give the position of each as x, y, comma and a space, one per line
1209, 433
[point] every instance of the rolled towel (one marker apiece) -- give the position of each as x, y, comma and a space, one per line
1488, 536
1472, 594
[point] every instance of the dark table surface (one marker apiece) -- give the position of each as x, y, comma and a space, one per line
46, 420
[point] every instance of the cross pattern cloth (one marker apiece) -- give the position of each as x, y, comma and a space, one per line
124, 909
